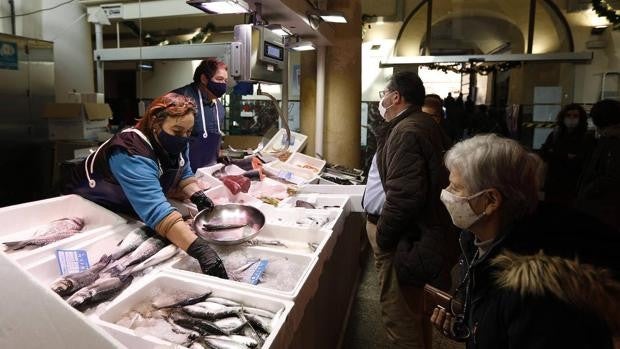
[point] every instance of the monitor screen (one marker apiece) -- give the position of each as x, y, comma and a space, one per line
274, 52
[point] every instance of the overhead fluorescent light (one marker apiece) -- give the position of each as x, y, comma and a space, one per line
220, 6
302, 46
279, 29
331, 16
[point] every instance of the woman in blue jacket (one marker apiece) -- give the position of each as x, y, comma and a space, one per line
134, 172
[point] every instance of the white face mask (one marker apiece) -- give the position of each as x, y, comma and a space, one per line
382, 109
458, 207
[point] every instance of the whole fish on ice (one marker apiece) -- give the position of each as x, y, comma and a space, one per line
146, 249
161, 256
52, 232
131, 242
101, 290
68, 284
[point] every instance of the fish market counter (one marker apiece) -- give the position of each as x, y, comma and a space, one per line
290, 287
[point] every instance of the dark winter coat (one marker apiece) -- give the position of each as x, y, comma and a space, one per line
550, 281
565, 154
413, 221
599, 188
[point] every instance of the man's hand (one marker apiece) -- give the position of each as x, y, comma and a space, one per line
210, 262
202, 201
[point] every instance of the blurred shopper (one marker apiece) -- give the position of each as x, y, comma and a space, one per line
412, 229
433, 105
209, 85
532, 275
599, 188
565, 151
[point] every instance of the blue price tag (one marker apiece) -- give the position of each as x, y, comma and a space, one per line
72, 261
285, 175
262, 265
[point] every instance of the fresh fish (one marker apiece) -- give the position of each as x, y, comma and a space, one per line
204, 327
260, 323
210, 310
161, 256
59, 225
313, 221
221, 342
259, 242
101, 290
214, 227
70, 283
230, 324
254, 311
52, 232
184, 301
224, 301
246, 342
131, 242
146, 249
249, 332
313, 246
304, 204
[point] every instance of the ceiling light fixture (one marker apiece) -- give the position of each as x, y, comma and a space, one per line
220, 6
329, 16
302, 46
279, 29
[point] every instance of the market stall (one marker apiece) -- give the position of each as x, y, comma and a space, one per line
290, 285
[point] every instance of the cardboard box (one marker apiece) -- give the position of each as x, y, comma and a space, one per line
74, 121
90, 97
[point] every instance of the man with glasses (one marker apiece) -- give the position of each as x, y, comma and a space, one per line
412, 244
209, 85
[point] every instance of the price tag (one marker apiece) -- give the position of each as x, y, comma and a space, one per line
262, 265
72, 261
285, 175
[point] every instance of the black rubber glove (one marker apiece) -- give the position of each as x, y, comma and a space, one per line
210, 262
202, 201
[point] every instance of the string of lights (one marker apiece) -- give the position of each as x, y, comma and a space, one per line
477, 68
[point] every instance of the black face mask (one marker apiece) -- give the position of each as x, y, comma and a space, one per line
172, 144
217, 88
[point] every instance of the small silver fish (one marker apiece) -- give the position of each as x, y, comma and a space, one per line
161, 256
260, 323
133, 239
184, 301
222, 342
247, 342
70, 283
52, 232
204, 327
259, 242
223, 301
101, 290
230, 324
146, 249
256, 311
313, 246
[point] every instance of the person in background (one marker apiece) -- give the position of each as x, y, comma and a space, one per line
565, 151
135, 170
412, 228
599, 187
209, 85
531, 275
433, 105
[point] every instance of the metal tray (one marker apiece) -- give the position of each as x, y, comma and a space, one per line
251, 218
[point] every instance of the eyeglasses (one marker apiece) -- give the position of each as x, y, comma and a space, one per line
384, 92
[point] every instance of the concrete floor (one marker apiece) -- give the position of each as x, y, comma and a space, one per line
364, 329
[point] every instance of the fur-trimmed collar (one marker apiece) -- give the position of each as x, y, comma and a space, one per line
582, 285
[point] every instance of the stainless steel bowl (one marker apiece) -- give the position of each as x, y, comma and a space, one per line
243, 222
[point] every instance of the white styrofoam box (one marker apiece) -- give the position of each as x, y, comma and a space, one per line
275, 144
303, 160
75, 128
20, 222
298, 216
144, 290
355, 193
295, 239
35, 317
307, 261
44, 266
288, 172
209, 169
320, 201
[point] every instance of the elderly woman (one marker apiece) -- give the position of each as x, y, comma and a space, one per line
531, 276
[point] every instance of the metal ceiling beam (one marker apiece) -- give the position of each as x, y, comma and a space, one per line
575, 57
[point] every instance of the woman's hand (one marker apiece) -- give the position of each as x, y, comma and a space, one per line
443, 321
